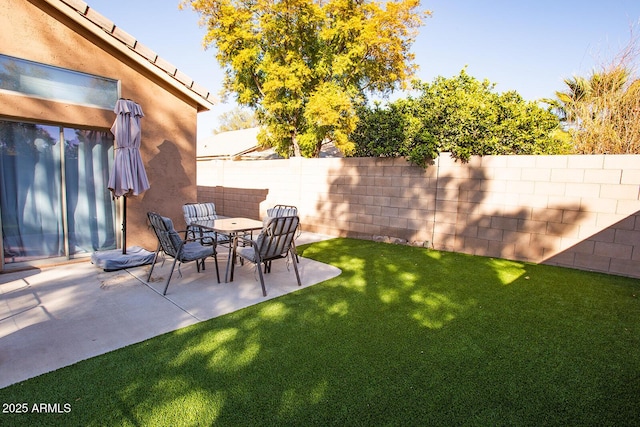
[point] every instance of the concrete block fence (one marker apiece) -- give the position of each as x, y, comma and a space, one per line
574, 211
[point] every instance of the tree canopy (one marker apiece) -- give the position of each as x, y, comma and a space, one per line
236, 119
460, 115
602, 111
305, 66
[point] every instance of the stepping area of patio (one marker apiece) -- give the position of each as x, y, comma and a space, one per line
54, 317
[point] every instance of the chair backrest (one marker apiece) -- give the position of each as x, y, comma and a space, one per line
282, 210
276, 237
199, 212
169, 239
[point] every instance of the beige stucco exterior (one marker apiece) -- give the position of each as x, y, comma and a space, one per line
51, 32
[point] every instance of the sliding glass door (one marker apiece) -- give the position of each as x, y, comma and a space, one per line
54, 200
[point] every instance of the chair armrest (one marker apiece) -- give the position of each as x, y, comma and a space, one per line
194, 227
191, 230
200, 240
245, 240
197, 232
249, 242
192, 239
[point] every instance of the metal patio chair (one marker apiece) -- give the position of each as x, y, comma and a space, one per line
274, 242
282, 210
181, 250
286, 210
202, 212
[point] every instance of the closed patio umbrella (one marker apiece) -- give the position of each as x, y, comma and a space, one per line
128, 176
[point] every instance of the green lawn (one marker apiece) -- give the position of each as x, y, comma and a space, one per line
404, 336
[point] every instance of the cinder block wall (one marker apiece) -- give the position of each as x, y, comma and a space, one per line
574, 211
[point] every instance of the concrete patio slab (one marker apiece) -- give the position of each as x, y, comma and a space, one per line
54, 317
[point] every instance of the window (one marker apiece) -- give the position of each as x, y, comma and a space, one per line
54, 199
58, 84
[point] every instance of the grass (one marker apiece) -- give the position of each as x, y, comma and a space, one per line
404, 336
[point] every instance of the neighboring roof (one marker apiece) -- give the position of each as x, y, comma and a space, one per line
228, 145
101, 26
243, 145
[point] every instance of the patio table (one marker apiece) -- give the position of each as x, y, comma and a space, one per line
231, 227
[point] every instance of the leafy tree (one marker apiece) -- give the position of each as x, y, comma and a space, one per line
393, 132
306, 65
463, 116
237, 119
602, 111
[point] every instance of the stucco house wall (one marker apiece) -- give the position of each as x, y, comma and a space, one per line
55, 33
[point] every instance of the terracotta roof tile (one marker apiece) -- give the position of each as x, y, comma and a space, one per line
124, 37
100, 20
166, 66
183, 78
200, 90
145, 51
78, 5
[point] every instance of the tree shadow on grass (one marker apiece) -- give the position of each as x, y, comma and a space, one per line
403, 336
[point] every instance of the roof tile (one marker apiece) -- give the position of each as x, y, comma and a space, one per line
124, 37
100, 20
166, 66
145, 51
78, 5
200, 90
183, 78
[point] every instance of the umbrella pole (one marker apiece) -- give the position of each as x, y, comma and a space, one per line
124, 226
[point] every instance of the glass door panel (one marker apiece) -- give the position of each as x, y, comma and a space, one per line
30, 199
88, 156
54, 199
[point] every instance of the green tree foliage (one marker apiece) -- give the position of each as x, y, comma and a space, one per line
460, 115
305, 65
237, 119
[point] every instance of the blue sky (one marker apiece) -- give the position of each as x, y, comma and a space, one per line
525, 45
